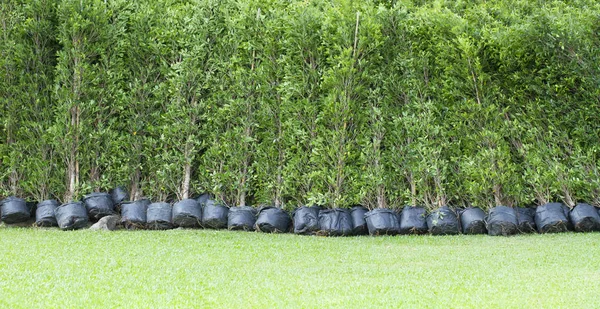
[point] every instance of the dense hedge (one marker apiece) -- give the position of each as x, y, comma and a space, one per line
335, 103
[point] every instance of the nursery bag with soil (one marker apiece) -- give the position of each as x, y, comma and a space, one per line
335, 222
44, 214
187, 214
306, 220
273, 220
159, 216
71, 216
241, 218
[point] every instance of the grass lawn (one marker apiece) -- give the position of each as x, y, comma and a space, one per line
206, 269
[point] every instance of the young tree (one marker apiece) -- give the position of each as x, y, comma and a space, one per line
336, 154
375, 183
228, 161
13, 55
81, 76
28, 49
300, 95
41, 180
149, 47
189, 86
272, 112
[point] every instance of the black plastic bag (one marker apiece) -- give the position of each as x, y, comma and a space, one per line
44, 214
214, 215
71, 216
413, 220
203, 199
502, 220
526, 219
359, 224
159, 216
472, 220
14, 210
187, 213
98, 205
443, 221
585, 218
306, 220
273, 220
241, 218
119, 195
551, 218
382, 221
335, 222
133, 214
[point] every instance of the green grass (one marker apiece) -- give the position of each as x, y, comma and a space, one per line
197, 268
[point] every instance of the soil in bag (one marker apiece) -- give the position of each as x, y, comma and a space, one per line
502, 220
472, 220
214, 216
359, 224
71, 216
382, 221
585, 218
525, 219
306, 220
187, 214
335, 222
159, 216
241, 218
413, 220
134, 214
273, 220
14, 210
99, 205
44, 214
551, 218
443, 221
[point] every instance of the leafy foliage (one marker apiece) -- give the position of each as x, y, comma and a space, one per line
291, 103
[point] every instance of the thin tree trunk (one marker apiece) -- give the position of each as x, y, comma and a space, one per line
497, 194
381, 196
376, 167
73, 164
413, 189
541, 197
187, 173
280, 153
242, 189
185, 187
135, 181
356, 35
441, 198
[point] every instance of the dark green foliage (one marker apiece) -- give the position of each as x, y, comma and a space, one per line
287, 103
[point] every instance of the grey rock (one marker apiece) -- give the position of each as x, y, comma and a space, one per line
107, 223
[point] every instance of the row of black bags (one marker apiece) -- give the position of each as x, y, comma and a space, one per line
205, 212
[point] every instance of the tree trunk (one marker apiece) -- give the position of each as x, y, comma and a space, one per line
242, 189
73, 163
135, 181
280, 153
185, 188
497, 194
413, 189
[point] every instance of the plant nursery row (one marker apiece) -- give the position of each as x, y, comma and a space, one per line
294, 102
205, 212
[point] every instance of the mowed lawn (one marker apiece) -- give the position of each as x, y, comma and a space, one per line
221, 269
